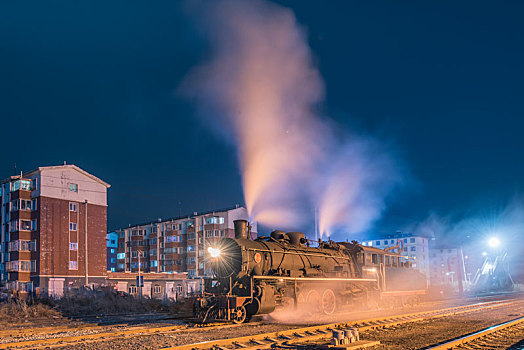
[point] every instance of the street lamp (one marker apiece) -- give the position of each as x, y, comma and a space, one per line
494, 242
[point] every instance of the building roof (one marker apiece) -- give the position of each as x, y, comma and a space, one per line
69, 166
393, 236
184, 216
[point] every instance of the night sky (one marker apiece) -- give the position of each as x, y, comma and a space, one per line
94, 84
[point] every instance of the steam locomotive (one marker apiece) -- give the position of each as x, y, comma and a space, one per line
254, 277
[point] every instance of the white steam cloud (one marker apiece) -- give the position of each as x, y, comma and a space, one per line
261, 89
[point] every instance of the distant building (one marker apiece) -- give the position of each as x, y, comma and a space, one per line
176, 245
446, 267
112, 247
46, 216
414, 246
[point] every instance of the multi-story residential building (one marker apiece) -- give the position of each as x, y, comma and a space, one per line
53, 229
176, 245
447, 267
112, 247
413, 246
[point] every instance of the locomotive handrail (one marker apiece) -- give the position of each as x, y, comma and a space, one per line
299, 253
325, 279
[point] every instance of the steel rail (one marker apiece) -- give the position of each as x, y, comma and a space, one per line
306, 334
108, 336
476, 335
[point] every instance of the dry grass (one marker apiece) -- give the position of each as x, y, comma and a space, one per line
103, 303
19, 310
79, 303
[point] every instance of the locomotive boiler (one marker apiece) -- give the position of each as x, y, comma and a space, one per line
256, 276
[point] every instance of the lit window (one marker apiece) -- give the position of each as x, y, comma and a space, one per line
73, 265
73, 187
72, 226
73, 206
121, 256
25, 225
73, 246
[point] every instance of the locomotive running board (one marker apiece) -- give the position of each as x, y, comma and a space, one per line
315, 279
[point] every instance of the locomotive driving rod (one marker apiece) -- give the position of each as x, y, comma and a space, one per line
316, 279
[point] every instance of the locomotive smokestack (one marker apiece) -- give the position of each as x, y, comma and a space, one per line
240, 228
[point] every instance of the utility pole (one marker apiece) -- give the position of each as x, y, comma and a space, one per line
196, 246
316, 225
85, 243
139, 284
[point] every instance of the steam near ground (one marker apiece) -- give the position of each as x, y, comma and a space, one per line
472, 232
262, 91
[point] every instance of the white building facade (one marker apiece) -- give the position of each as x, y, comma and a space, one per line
413, 246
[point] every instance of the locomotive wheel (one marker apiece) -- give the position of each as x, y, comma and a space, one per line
239, 315
329, 302
313, 300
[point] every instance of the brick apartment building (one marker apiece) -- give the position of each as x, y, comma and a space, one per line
46, 216
112, 247
176, 245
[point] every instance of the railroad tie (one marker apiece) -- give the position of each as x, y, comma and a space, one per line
239, 345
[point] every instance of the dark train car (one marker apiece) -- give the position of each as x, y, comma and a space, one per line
254, 277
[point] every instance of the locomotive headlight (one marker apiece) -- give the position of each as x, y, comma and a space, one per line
214, 252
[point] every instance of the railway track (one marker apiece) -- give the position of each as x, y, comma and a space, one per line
54, 337
119, 331
315, 333
500, 336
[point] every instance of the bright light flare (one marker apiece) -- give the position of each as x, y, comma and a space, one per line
494, 242
214, 252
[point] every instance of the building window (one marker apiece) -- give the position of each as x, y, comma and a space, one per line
112, 250
413, 249
25, 225
33, 225
72, 226
73, 187
412, 240
33, 184
377, 242
132, 289
134, 254
121, 256
157, 289
73, 207
25, 204
73, 265
73, 246
154, 263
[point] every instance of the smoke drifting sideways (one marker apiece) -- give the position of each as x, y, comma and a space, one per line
261, 90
